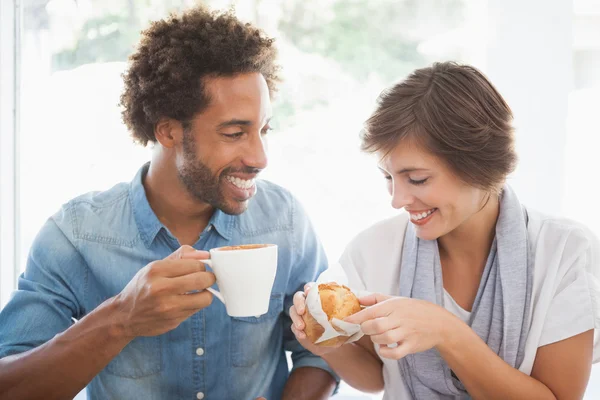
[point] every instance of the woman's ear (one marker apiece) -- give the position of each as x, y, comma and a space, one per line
168, 132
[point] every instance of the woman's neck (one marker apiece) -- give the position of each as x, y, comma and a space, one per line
464, 253
470, 243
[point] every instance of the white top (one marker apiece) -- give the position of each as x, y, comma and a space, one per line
566, 285
451, 305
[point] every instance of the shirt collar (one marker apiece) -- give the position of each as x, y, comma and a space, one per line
223, 223
148, 223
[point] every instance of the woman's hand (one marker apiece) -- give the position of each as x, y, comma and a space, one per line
296, 313
402, 326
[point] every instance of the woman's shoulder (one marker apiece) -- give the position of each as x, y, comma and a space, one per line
546, 229
566, 279
562, 246
379, 244
372, 259
384, 233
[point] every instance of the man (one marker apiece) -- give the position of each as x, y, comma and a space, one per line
198, 89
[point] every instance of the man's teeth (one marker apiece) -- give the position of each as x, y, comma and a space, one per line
242, 184
422, 215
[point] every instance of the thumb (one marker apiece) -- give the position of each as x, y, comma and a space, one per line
373, 299
196, 255
188, 253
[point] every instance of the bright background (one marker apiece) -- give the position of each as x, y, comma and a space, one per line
61, 133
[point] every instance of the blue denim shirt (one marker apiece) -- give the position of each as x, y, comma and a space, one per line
89, 251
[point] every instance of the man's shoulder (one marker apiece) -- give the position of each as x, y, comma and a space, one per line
98, 216
272, 208
268, 191
271, 198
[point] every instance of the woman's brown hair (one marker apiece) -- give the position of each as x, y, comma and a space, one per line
453, 112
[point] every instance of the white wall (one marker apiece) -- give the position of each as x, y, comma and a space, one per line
529, 58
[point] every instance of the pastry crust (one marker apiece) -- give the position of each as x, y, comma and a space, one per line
337, 301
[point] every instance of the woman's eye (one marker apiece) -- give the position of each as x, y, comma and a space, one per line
388, 177
417, 182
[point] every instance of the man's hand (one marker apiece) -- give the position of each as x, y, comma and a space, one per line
165, 293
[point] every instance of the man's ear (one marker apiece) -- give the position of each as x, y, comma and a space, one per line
168, 132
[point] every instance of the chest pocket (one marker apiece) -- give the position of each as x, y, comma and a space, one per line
141, 357
251, 337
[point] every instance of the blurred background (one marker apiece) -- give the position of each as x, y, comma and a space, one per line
61, 132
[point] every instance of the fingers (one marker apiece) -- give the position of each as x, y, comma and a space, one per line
300, 335
395, 353
191, 282
378, 326
297, 310
188, 252
389, 337
179, 253
300, 303
373, 299
196, 255
378, 305
171, 268
195, 301
297, 321
376, 311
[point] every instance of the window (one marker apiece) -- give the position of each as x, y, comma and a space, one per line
72, 139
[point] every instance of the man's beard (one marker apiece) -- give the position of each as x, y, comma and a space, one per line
202, 184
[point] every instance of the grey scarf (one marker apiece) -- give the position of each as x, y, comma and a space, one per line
500, 312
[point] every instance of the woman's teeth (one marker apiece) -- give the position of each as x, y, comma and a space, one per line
240, 183
422, 215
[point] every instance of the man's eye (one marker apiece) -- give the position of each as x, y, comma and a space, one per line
233, 135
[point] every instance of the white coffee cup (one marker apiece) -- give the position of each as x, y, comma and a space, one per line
245, 276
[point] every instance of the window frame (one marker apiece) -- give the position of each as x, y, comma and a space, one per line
10, 26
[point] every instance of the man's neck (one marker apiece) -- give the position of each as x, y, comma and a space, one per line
175, 208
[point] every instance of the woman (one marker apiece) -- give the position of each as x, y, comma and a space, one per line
477, 296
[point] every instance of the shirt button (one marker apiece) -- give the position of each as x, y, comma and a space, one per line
200, 395
200, 351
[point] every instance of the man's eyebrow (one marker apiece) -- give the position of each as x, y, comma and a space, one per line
234, 122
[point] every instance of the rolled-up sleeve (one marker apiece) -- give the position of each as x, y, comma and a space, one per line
308, 262
49, 293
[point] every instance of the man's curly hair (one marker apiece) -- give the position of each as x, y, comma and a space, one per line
165, 75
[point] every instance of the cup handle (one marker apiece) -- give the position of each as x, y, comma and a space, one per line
213, 291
